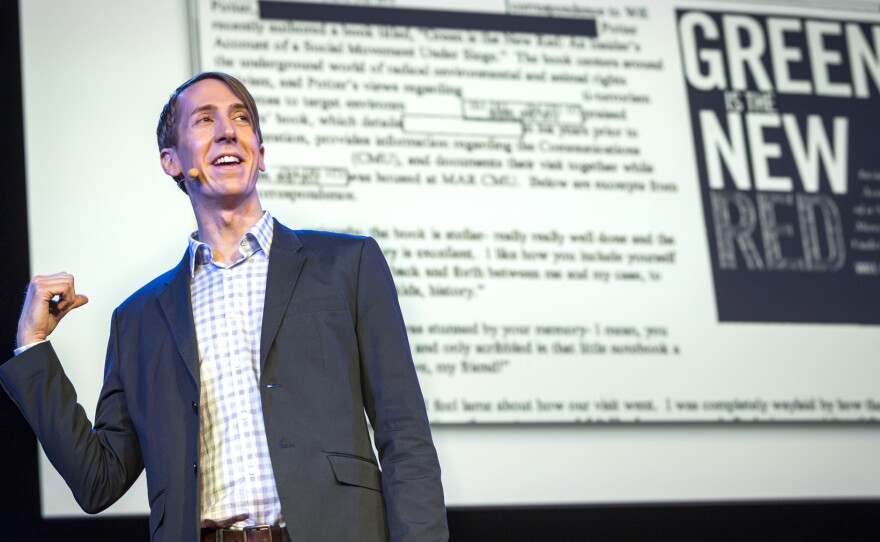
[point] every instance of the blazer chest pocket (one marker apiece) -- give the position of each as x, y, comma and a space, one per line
354, 471
318, 304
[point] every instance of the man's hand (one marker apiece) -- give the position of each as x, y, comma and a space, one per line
49, 298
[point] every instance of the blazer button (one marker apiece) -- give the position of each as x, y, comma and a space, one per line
195, 407
195, 468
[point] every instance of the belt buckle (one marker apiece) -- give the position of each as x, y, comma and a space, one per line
260, 528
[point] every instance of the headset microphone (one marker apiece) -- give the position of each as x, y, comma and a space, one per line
193, 174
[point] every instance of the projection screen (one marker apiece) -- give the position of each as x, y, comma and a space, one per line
637, 246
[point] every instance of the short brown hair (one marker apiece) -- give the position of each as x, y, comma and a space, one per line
166, 131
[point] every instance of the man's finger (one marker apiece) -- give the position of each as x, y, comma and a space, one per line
77, 301
68, 296
57, 290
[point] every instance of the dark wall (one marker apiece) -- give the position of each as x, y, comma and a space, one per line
19, 492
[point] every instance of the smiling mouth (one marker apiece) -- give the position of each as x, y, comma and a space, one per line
227, 160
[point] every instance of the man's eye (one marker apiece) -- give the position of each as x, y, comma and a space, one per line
203, 119
242, 117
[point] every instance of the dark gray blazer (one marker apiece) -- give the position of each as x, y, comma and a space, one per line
333, 345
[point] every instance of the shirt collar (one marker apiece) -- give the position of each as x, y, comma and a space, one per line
258, 237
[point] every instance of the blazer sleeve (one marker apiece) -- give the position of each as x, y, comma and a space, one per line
98, 463
396, 409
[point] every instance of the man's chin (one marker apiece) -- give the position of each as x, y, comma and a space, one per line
228, 193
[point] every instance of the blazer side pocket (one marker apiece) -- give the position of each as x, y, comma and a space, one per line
157, 513
354, 471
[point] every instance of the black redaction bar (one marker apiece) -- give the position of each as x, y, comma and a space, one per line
462, 20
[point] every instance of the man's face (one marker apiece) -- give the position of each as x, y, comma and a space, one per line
215, 136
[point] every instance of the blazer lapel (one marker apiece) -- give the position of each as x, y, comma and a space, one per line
175, 302
285, 263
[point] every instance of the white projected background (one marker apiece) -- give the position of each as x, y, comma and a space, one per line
537, 296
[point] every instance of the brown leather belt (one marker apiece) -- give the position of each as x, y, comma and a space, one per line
258, 533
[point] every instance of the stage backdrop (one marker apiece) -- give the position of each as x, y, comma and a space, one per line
663, 216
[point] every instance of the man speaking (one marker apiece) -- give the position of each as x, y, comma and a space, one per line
239, 379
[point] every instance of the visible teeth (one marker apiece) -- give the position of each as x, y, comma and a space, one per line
227, 160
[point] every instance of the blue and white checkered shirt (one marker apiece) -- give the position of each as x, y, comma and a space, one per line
236, 471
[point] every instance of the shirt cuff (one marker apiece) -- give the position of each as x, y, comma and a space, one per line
21, 349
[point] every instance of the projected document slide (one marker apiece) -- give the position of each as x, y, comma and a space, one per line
580, 227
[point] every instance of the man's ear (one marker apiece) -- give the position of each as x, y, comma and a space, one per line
261, 164
170, 163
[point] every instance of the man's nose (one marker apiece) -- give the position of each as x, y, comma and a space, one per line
224, 130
